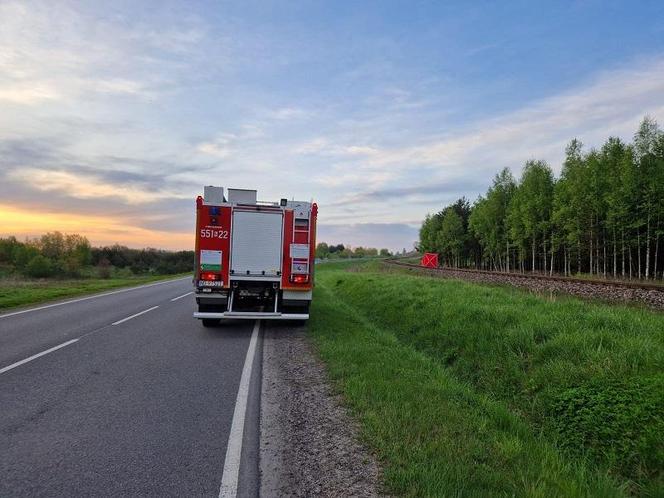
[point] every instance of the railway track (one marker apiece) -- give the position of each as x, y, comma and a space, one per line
651, 295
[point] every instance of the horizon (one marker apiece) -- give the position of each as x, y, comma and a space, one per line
115, 116
35, 240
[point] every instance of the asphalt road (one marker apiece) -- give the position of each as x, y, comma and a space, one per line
125, 406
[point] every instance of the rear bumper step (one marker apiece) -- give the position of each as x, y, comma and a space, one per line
251, 315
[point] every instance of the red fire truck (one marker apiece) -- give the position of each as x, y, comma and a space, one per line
254, 259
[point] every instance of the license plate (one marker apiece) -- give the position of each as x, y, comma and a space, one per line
210, 283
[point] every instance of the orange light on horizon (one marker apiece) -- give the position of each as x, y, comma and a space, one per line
100, 230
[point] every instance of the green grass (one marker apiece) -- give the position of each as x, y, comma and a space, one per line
21, 292
469, 390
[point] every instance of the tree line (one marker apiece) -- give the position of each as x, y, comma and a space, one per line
332, 251
603, 215
55, 254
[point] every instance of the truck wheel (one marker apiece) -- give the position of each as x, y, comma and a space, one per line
210, 322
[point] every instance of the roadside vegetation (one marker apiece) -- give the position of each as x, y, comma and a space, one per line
466, 389
340, 251
603, 216
58, 265
21, 292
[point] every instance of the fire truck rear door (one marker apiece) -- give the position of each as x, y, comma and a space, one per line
256, 243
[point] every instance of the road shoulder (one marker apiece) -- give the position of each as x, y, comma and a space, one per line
308, 444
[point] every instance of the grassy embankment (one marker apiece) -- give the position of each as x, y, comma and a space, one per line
471, 390
21, 292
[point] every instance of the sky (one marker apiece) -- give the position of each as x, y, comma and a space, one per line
113, 115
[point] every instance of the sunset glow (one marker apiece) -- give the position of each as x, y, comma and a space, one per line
98, 229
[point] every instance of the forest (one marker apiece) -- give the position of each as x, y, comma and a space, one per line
602, 216
58, 255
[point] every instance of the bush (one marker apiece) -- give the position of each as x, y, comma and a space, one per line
122, 273
7, 248
39, 267
139, 268
71, 266
618, 423
22, 254
104, 268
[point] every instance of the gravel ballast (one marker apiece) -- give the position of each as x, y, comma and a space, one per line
308, 443
651, 297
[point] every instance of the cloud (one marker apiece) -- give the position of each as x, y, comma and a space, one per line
356, 171
314, 146
177, 41
225, 144
611, 104
27, 95
323, 146
344, 178
40, 175
288, 113
84, 186
412, 192
52, 51
119, 86
463, 163
219, 149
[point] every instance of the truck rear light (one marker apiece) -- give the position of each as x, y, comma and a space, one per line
300, 279
210, 276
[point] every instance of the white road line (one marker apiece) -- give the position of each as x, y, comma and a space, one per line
229, 479
91, 297
180, 297
135, 315
35, 356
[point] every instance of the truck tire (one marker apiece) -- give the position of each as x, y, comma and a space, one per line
210, 322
